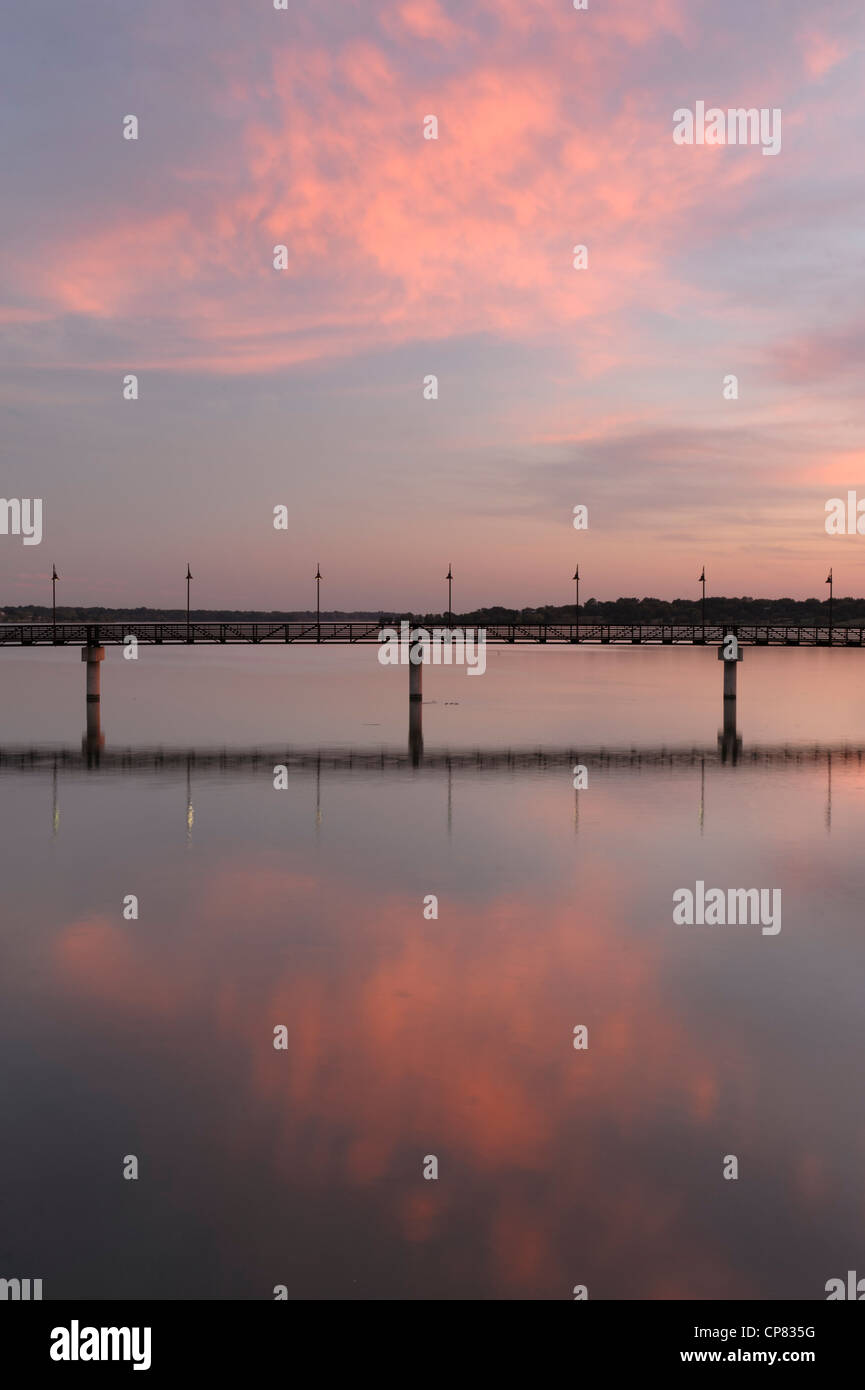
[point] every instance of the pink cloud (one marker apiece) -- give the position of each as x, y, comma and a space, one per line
393, 238
423, 19
821, 52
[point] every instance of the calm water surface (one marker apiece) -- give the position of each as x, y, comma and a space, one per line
410, 1037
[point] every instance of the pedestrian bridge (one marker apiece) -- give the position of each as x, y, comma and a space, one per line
308, 631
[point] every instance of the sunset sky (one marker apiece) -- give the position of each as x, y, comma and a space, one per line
410, 257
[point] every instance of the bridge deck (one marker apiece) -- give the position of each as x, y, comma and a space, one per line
46, 634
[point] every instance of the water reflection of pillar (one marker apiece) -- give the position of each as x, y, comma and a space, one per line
702, 793
450, 802
94, 739
415, 732
55, 805
829, 790
190, 809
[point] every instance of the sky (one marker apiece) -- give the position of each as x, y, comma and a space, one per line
409, 257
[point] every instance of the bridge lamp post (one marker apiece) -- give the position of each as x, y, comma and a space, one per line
318, 603
703, 606
188, 581
54, 577
450, 579
577, 582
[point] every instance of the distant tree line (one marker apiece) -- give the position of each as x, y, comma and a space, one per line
37, 613
794, 612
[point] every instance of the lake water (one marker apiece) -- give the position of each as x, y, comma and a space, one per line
410, 1037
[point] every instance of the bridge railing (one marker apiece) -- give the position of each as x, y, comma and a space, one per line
348, 631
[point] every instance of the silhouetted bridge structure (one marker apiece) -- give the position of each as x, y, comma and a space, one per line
335, 632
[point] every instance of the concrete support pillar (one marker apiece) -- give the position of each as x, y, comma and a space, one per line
93, 656
730, 668
730, 653
94, 740
415, 705
415, 681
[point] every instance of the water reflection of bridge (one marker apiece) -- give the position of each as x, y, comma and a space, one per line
217, 761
